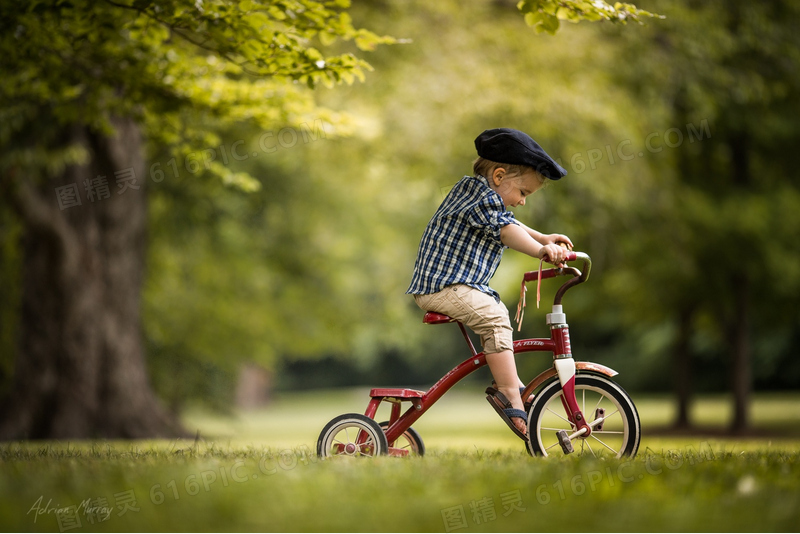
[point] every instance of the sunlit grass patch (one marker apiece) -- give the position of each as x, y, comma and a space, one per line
258, 471
200, 487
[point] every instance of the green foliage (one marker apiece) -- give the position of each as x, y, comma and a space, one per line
175, 66
184, 70
354, 208
313, 261
545, 15
725, 206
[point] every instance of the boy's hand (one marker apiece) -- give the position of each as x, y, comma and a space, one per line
554, 254
553, 239
523, 239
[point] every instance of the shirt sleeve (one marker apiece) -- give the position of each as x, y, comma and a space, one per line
489, 215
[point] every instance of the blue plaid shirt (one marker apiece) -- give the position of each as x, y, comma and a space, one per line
461, 244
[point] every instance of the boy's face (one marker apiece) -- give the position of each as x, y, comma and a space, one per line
514, 189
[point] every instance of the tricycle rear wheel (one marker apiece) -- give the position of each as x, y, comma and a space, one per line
410, 441
352, 435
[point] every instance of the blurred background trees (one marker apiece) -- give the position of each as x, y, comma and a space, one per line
730, 217
283, 234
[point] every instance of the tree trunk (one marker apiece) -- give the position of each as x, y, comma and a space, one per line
739, 330
683, 368
739, 334
254, 387
80, 367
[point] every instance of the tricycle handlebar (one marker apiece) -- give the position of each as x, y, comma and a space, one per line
530, 276
587, 264
578, 276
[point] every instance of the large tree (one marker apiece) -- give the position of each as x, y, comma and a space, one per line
88, 87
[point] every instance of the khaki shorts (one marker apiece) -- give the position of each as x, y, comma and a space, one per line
479, 311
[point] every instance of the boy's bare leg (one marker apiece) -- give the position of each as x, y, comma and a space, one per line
504, 371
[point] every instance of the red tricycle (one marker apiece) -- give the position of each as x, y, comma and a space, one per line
576, 407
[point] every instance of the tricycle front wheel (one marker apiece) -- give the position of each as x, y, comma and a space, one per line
597, 396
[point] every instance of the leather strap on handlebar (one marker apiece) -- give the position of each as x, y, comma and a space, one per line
523, 290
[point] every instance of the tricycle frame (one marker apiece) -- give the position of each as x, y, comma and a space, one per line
398, 423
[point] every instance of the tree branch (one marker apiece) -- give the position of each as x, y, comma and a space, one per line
44, 219
174, 28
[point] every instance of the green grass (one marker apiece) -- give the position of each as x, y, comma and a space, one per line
255, 472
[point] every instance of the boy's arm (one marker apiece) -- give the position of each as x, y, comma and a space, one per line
517, 237
545, 239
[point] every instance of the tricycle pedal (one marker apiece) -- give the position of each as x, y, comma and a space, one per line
563, 440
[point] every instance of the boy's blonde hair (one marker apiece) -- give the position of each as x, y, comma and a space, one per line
485, 167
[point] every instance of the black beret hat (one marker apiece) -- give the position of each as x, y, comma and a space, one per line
506, 145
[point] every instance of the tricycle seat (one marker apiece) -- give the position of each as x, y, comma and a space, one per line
396, 393
436, 318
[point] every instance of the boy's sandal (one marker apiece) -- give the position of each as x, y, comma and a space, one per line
493, 389
503, 408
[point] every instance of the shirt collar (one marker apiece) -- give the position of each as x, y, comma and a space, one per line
482, 179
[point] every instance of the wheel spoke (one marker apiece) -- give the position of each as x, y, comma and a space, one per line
605, 418
550, 428
364, 445
596, 406
605, 445
583, 406
559, 416
607, 432
590, 448
551, 446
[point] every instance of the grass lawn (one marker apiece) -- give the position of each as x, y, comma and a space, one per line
257, 472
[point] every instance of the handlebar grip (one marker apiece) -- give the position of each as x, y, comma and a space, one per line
571, 256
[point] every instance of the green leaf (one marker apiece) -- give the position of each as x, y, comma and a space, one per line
326, 38
533, 18
543, 15
550, 24
276, 13
565, 13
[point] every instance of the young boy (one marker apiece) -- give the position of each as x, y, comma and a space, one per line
462, 245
